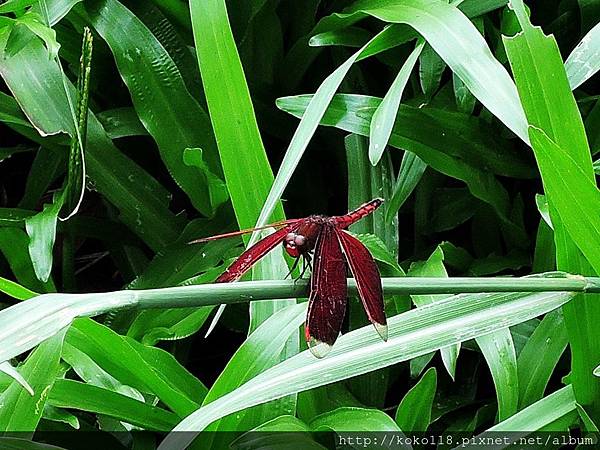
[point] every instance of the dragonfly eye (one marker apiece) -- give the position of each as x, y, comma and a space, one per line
299, 240
289, 243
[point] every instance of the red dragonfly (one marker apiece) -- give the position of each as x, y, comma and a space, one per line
334, 248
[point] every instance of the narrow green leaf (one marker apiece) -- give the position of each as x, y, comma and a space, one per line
584, 60
414, 412
119, 357
41, 229
260, 351
348, 37
413, 333
550, 340
572, 193
499, 352
431, 68
281, 433
15, 290
85, 397
411, 171
434, 267
9, 443
533, 418
20, 410
354, 419
458, 42
247, 171
9, 370
561, 148
384, 116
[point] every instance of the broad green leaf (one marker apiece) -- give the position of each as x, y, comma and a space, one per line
417, 332
35, 22
414, 412
85, 397
384, 116
15, 5
47, 166
20, 410
550, 340
434, 267
561, 148
584, 60
354, 419
499, 352
165, 107
572, 193
245, 166
121, 122
217, 190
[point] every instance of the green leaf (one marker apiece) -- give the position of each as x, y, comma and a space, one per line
9, 443
431, 68
413, 333
85, 397
14, 245
119, 357
9, 370
438, 137
260, 351
20, 410
348, 37
165, 107
414, 412
584, 60
411, 171
354, 419
499, 352
247, 171
458, 42
217, 190
535, 417
434, 267
573, 194
15, 290
37, 84
384, 116
548, 339
564, 159
41, 229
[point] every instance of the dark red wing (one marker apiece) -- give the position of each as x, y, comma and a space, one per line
254, 253
328, 294
368, 279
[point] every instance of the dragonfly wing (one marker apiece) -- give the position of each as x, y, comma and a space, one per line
254, 253
368, 279
328, 294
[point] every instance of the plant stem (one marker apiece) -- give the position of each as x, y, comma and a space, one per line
214, 294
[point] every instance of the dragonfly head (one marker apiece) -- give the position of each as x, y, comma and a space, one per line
295, 244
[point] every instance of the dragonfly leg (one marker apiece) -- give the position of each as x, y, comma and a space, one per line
305, 264
296, 261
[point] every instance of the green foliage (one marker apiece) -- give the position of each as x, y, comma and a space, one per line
201, 117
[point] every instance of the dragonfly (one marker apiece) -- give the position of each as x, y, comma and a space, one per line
333, 251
